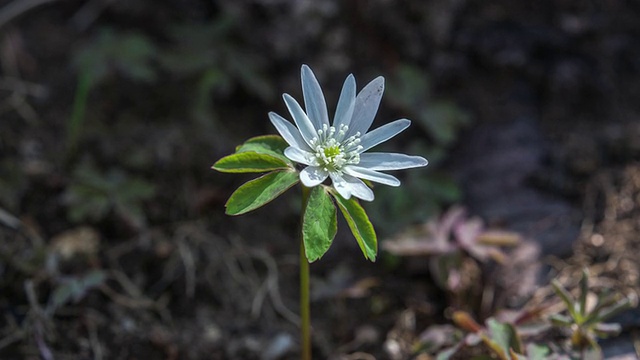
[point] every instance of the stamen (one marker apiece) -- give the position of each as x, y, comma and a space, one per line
332, 151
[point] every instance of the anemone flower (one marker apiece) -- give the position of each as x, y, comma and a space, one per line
338, 151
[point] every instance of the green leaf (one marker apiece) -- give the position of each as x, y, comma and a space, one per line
446, 354
75, 288
567, 298
515, 356
260, 191
561, 320
584, 291
249, 162
360, 225
443, 120
537, 352
504, 335
605, 330
319, 224
494, 346
602, 314
273, 145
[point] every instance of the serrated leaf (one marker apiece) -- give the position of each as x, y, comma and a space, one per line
319, 224
260, 191
360, 225
273, 145
249, 162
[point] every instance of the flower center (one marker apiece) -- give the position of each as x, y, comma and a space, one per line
333, 151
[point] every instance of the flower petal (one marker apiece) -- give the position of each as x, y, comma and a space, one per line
305, 125
340, 185
314, 101
346, 103
383, 133
366, 106
390, 161
300, 156
289, 132
371, 175
347, 185
313, 176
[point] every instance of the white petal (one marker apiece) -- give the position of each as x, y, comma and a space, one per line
347, 185
300, 156
305, 126
366, 106
390, 161
346, 103
383, 133
313, 176
288, 131
372, 175
314, 101
341, 185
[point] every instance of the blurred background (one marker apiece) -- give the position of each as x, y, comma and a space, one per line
113, 238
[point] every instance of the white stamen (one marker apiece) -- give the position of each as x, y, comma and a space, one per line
332, 152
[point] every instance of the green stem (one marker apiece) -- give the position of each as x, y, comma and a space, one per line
305, 313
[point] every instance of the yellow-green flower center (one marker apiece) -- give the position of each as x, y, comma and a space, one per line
331, 152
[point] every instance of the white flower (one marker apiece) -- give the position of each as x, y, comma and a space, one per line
338, 151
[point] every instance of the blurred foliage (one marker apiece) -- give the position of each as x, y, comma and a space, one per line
587, 314
129, 54
74, 288
210, 49
500, 338
12, 184
206, 59
200, 63
456, 248
453, 241
424, 193
442, 120
92, 195
514, 336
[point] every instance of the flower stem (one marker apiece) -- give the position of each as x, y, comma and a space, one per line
305, 313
